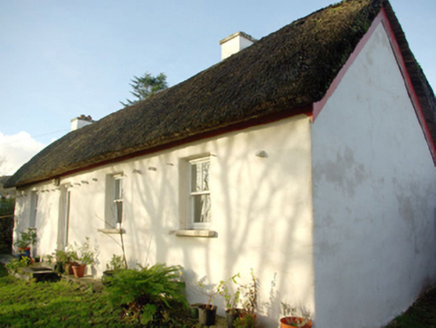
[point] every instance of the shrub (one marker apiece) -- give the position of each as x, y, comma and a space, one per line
116, 263
150, 296
15, 264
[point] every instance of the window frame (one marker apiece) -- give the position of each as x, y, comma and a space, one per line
118, 198
191, 195
34, 200
112, 201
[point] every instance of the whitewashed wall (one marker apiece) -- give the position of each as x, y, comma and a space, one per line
374, 196
261, 211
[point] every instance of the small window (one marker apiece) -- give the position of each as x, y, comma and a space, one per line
118, 198
114, 205
34, 209
199, 203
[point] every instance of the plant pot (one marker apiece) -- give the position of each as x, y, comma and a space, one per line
231, 316
68, 268
287, 322
106, 277
79, 270
23, 252
193, 308
37, 259
207, 316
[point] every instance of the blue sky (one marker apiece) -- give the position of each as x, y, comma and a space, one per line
60, 59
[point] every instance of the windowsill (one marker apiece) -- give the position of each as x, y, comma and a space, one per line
112, 231
197, 233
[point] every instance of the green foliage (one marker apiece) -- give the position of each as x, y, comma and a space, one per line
231, 300
15, 264
7, 206
146, 86
3, 271
59, 304
247, 321
48, 258
82, 254
421, 314
149, 295
27, 238
62, 256
250, 295
116, 263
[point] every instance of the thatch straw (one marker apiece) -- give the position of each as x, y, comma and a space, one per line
280, 74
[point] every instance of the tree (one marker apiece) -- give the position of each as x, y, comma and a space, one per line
146, 86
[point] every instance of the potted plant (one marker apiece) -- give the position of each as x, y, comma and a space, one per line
231, 300
247, 317
48, 258
207, 312
291, 319
116, 263
27, 239
84, 257
65, 260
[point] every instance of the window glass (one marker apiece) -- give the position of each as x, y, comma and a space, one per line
118, 198
200, 201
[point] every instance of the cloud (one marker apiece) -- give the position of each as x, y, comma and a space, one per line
16, 150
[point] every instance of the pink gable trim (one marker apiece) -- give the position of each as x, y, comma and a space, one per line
318, 106
383, 19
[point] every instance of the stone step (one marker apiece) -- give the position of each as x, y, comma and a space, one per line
39, 273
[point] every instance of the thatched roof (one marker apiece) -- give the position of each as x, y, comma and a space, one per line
282, 74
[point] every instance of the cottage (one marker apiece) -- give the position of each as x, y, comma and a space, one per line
307, 156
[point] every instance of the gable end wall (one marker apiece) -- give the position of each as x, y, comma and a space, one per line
373, 196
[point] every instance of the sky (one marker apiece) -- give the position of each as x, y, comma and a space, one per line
61, 59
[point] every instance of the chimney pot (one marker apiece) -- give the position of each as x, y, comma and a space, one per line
81, 121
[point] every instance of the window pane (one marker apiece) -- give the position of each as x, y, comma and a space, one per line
118, 189
205, 172
119, 211
201, 208
200, 176
194, 181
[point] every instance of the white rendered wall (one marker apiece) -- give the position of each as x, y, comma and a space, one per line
374, 196
261, 211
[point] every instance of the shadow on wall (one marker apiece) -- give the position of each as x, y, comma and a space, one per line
262, 216
263, 220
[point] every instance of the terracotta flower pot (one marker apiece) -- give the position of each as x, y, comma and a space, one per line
287, 322
79, 270
68, 267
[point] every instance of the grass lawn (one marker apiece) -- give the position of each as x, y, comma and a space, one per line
61, 304
65, 304
421, 314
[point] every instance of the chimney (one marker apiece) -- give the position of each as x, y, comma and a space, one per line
80, 122
235, 43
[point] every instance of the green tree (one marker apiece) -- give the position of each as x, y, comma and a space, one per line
146, 86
